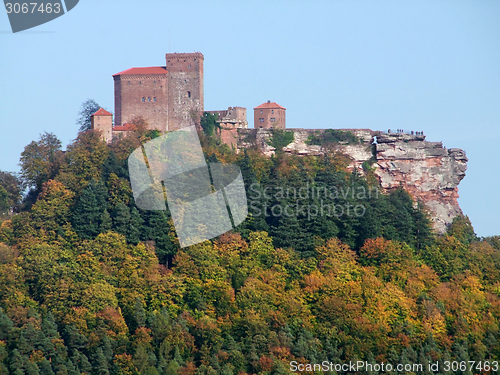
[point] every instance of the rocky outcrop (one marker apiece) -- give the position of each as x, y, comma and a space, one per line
427, 170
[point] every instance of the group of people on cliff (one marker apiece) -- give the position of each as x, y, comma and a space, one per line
401, 131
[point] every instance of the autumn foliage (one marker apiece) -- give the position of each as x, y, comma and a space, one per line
89, 284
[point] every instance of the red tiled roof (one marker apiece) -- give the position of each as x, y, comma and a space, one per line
102, 112
269, 105
124, 127
147, 70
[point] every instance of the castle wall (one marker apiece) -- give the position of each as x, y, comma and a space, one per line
235, 114
185, 88
231, 118
142, 95
104, 124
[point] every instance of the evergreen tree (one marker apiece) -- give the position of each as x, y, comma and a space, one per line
81, 362
5, 325
45, 367
61, 369
106, 222
139, 313
16, 363
25, 343
43, 343
72, 370
90, 210
135, 228
142, 360
3, 357
49, 326
121, 219
107, 349
31, 368
100, 364
156, 228
73, 338
461, 353
160, 325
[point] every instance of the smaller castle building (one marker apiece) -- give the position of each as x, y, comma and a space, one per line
232, 118
269, 115
103, 120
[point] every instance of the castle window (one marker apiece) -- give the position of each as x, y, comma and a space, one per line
140, 82
189, 66
129, 82
272, 111
149, 99
261, 111
143, 99
154, 81
189, 94
154, 98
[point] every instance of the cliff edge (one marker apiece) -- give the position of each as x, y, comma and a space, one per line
429, 171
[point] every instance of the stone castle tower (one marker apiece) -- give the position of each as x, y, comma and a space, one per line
103, 120
168, 97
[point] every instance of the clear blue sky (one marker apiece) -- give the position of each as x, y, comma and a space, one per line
418, 65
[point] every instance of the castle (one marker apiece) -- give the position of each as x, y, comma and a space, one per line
171, 97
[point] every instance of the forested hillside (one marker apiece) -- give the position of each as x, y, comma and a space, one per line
326, 267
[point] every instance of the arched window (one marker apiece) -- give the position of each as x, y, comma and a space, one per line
189, 94
149, 99
143, 99
154, 98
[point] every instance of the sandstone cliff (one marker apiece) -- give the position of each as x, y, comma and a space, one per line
427, 170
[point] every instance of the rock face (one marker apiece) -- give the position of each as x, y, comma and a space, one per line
427, 170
